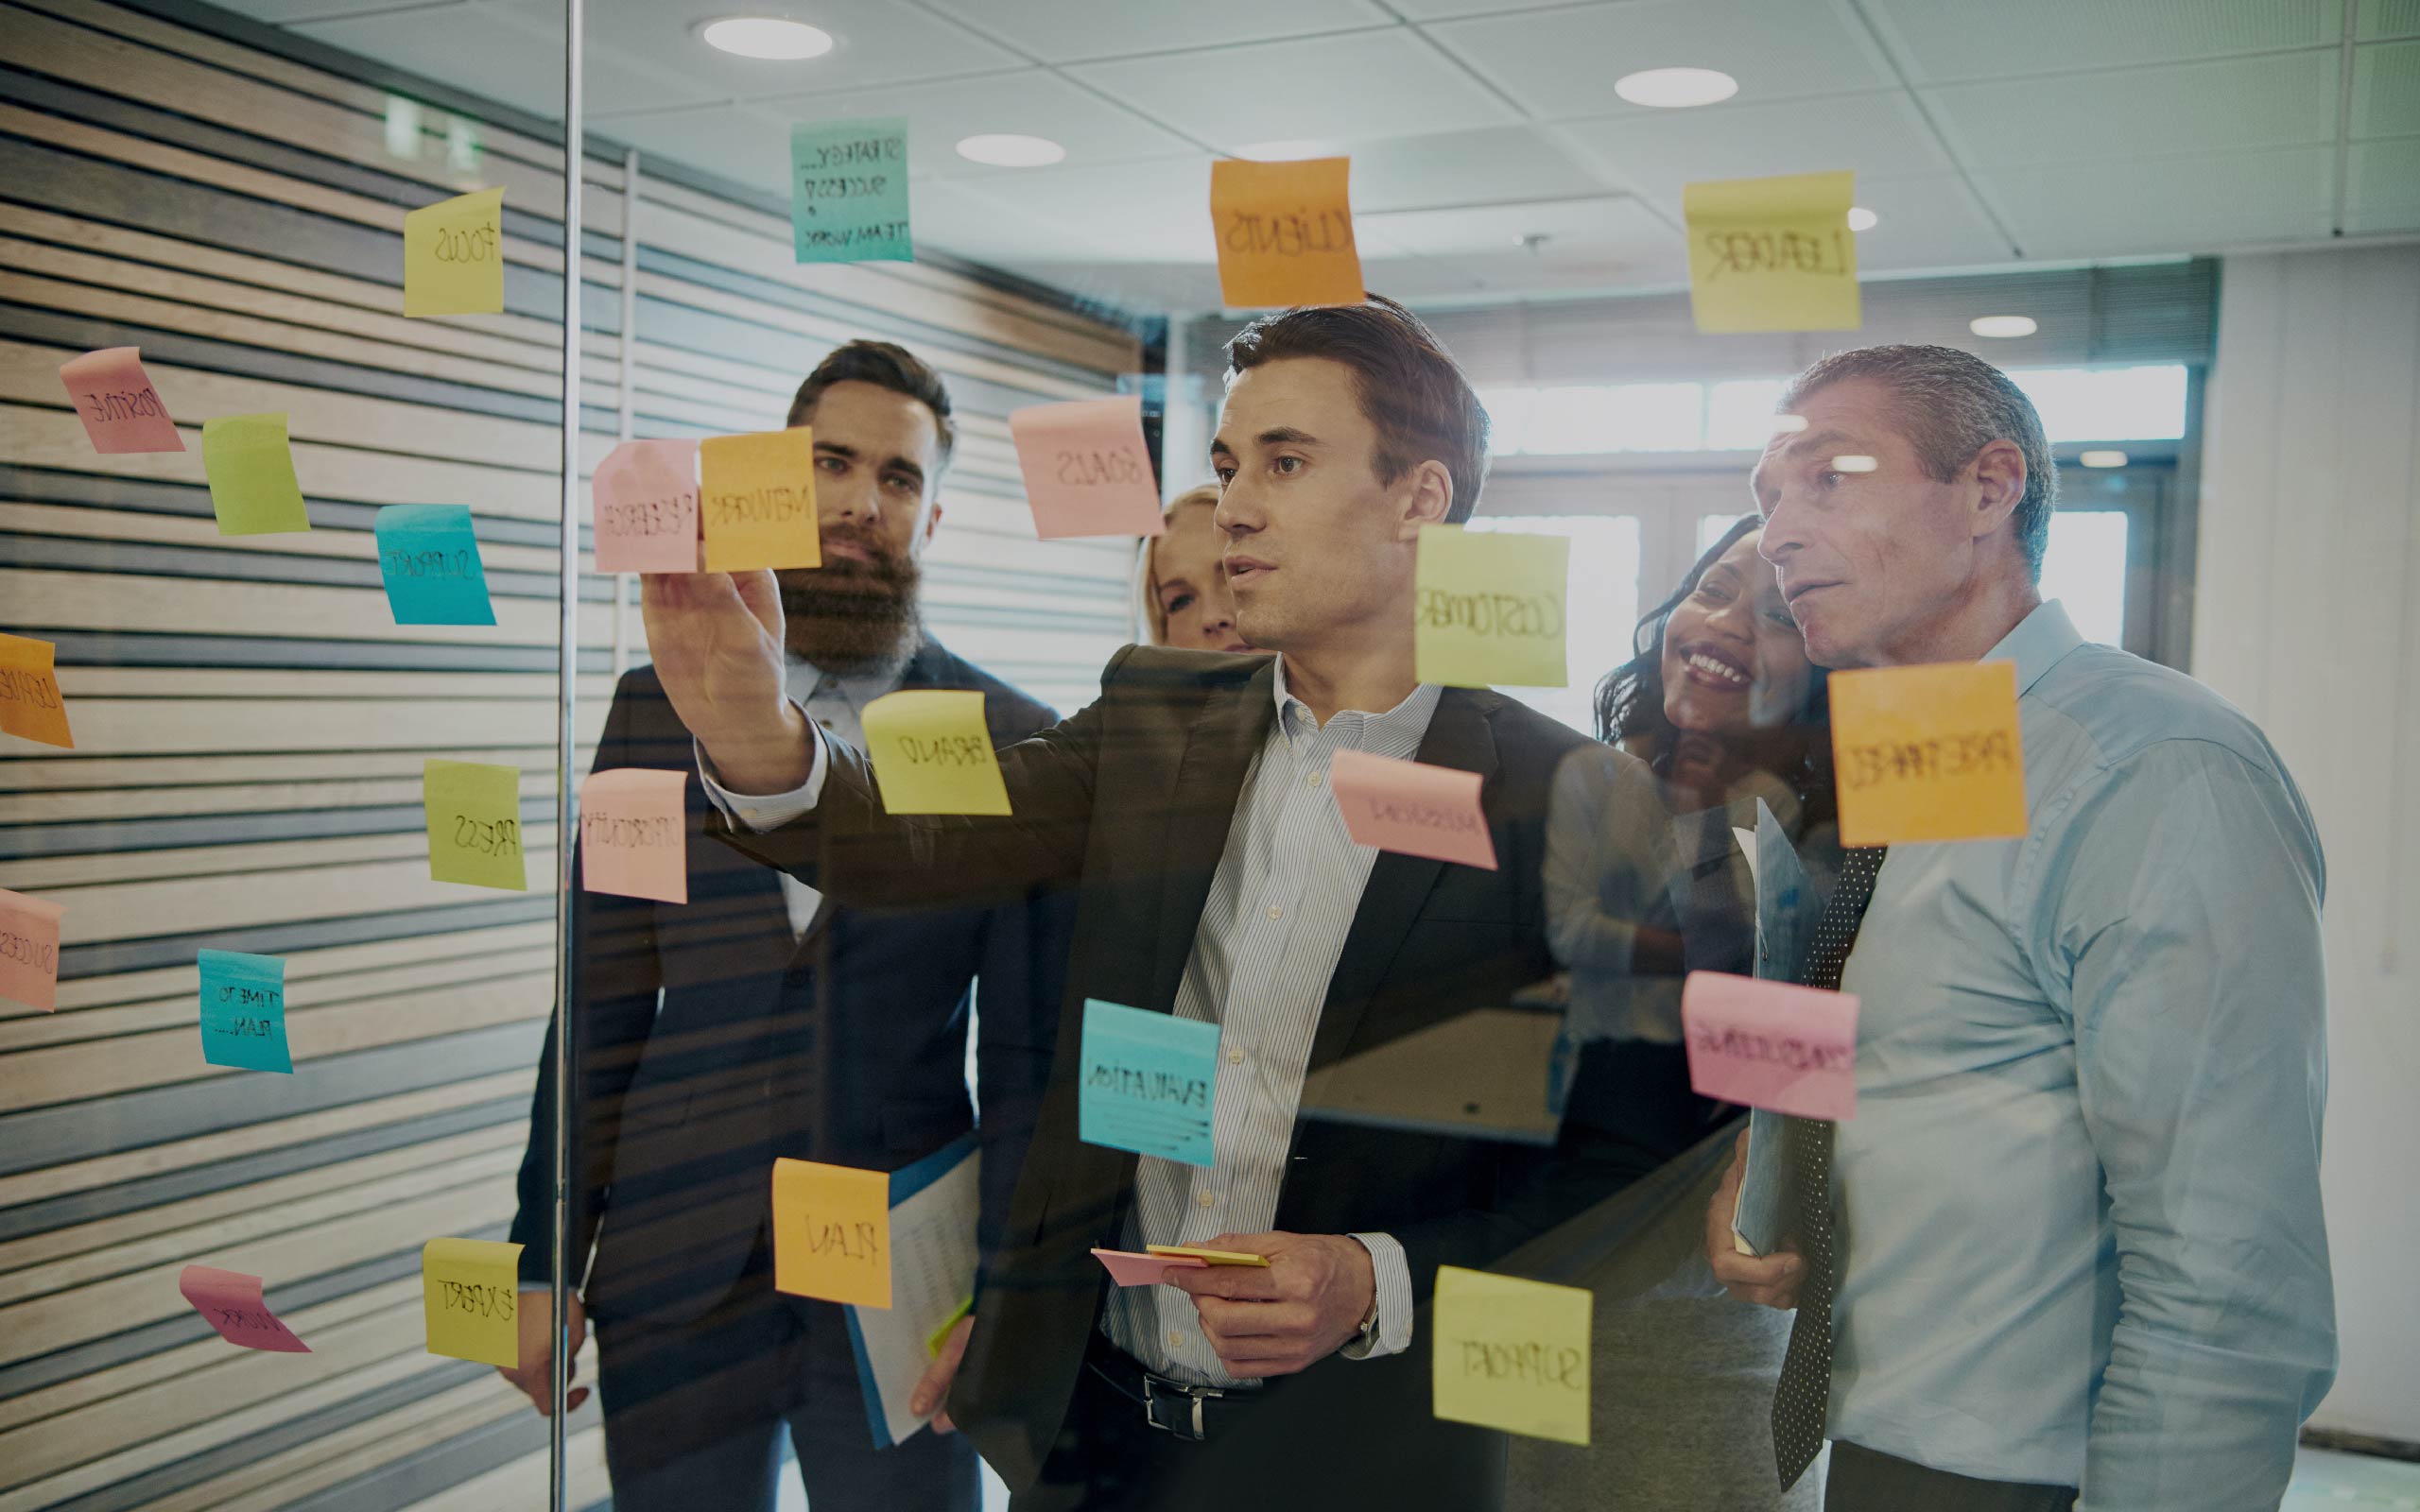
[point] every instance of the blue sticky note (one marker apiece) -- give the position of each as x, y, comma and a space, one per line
848, 191
1147, 1079
430, 559
243, 1011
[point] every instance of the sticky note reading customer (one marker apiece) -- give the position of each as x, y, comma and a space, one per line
251, 466
1285, 233
633, 834
243, 1011
31, 706
1928, 753
932, 753
1513, 1355
1087, 471
115, 399
647, 507
231, 1302
429, 556
474, 823
832, 1232
1146, 1083
470, 1292
30, 950
454, 256
1774, 1045
1488, 607
1773, 254
1415, 809
756, 501
848, 191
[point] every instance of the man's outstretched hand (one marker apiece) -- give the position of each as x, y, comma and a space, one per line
716, 640
1306, 1304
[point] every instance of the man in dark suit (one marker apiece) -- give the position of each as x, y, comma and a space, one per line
788, 1027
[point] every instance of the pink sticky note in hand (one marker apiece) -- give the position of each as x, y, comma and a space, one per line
30, 950
633, 834
1128, 1269
1774, 1045
231, 1300
1087, 471
115, 399
646, 496
1407, 806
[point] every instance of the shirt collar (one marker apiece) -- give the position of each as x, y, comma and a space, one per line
1402, 727
2038, 642
807, 680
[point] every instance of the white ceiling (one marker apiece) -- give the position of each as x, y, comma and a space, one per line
1984, 133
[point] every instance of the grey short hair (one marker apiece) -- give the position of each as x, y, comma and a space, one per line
1952, 405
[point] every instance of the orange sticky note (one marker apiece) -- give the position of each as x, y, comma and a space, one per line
30, 704
633, 834
1928, 753
647, 507
115, 399
30, 950
757, 499
832, 1232
1285, 233
1087, 471
1410, 807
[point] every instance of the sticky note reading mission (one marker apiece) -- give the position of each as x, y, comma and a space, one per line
756, 501
1147, 1082
1931, 752
832, 1232
1489, 608
1512, 1353
932, 753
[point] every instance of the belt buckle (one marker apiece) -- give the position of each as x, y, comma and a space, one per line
1187, 1420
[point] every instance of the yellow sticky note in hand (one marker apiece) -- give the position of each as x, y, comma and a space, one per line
756, 501
1489, 608
1285, 233
250, 467
454, 256
1207, 1257
470, 1289
1928, 753
474, 823
1512, 1354
832, 1232
30, 703
932, 753
1773, 254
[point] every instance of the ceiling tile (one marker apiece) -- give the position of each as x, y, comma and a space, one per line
2286, 99
476, 50
1486, 166
2389, 18
2382, 181
1120, 212
1944, 40
1034, 101
2120, 207
1609, 240
291, 12
2386, 90
1064, 31
1931, 221
1660, 151
734, 142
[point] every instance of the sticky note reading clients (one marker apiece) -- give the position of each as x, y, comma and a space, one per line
454, 256
932, 753
30, 950
633, 834
1415, 809
1928, 753
1087, 471
474, 823
647, 507
115, 399
429, 558
832, 1232
756, 501
470, 1292
231, 1302
1513, 1355
1774, 1045
31, 706
243, 1011
251, 466
1489, 608
1285, 233
848, 191
1147, 1082
1773, 254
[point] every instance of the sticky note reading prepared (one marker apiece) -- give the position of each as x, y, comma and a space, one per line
115, 399
470, 1292
848, 191
474, 823
756, 501
251, 466
1410, 807
1285, 233
30, 950
1774, 1045
1087, 471
1931, 752
231, 1302
1489, 608
646, 496
243, 1011
429, 558
633, 834
1773, 254
454, 256
1512, 1353
932, 753
832, 1232
1148, 1080
31, 706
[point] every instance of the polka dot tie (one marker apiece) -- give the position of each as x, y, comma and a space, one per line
1805, 1391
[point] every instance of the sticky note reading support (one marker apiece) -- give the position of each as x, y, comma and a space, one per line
1147, 1082
474, 823
470, 1290
231, 1302
251, 466
454, 256
633, 834
31, 706
832, 1232
243, 1011
1773, 254
1928, 753
30, 950
1285, 233
647, 507
1774, 1045
1416, 809
1489, 608
932, 753
429, 556
1512, 1353
115, 399
756, 501
1087, 471
848, 191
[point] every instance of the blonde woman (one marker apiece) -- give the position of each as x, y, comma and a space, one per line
1181, 595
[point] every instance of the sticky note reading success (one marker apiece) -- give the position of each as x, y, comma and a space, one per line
470, 1292
454, 256
756, 501
231, 1302
1928, 753
633, 834
31, 706
30, 950
832, 1232
1147, 1082
1773, 254
474, 823
1087, 471
1774, 1045
429, 558
932, 753
251, 466
1489, 608
1513, 1355
848, 191
646, 496
243, 1011
1285, 233
1416, 809
115, 399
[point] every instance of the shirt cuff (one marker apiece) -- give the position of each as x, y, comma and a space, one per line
1393, 1274
770, 811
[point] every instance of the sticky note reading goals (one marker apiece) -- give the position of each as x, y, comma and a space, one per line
1773, 254
1147, 1082
251, 466
832, 1232
1087, 471
31, 706
428, 556
243, 1011
470, 1292
756, 501
1285, 233
474, 823
633, 834
1928, 753
1512, 1353
1489, 608
932, 753
115, 399
848, 191
454, 256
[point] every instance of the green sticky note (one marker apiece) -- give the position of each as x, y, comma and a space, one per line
1489, 608
474, 823
848, 191
429, 560
243, 1011
250, 469
1147, 1082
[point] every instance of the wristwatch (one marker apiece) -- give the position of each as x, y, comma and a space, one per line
1369, 1335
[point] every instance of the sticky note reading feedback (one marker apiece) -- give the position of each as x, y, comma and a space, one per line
251, 466
1415, 809
1489, 608
1774, 1045
1285, 233
454, 256
31, 706
243, 1011
474, 823
115, 399
832, 1232
231, 1302
429, 558
646, 496
932, 753
1513, 1355
633, 834
1773, 254
1148, 1080
470, 1292
30, 950
1928, 753
1087, 471
756, 501
848, 191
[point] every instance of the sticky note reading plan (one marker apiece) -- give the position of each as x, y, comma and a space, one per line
243, 1011
1774, 1045
31, 706
30, 950
832, 1232
454, 256
1415, 809
1513, 1355
429, 556
474, 823
756, 501
1489, 608
932, 753
1928, 753
115, 399
231, 1302
251, 466
1285, 233
1147, 1082
1773, 254
470, 1292
848, 191
633, 834
646, 496
1087, 471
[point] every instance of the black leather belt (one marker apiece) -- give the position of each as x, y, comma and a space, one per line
1177, 1407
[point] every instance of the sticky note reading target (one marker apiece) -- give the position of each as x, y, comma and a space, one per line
1931, 752
1773, 254
454, 256
932, 753
1285, 233
31, 706
115, 399
1087, 471
1512, 1353
470, 1292
474, 823
231, 1302
756, 501
1488, 607
832, 1232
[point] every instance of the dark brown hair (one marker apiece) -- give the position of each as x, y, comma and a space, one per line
884, 365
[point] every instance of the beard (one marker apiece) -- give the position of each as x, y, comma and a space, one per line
853, 618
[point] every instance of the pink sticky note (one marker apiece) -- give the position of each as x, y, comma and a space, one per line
1774, 1045
647, 507
232, 1302
633, 834
1128, 1269
1087, 471
30, 950
115, 399
1416, 809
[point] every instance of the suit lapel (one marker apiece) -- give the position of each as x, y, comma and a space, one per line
1201, 804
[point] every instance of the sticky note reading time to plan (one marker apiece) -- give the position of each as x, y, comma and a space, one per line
1512, 1353
454, 256
231, 1302
832, 1232
646, 496
470, 1292
1488, 607
115, 399
1087, 471
848, 191
756, 501
31, 706
1410, 807
251, 466
1285, 233
1929, 752
429, 558
1774, 1045
1148, 1080
243, 1011
633, 834
30, 950
1773, 254
932, 753
474, 823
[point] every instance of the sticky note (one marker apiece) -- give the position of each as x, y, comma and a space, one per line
1407, 806
470, 1290
940, 1336
1146, 1082
1774, 1045
633, 834
1209, 1257
454, 256
647, 507
1489, 608
31, 706
231, 1302
756, 501
474, 823
1128, 1269
1087, 471
848, 191
1773, 254
832, 1232
932, 753
1285, 233
1929, 752
1512, 1354
243, 1011
115, 399
429, 558
251, 466
30, 950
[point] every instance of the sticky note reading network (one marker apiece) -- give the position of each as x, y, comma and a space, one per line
932, 753
31, 706
115, 399
1489, 608
646, 496
1928, 753
1416, 809
848, 191
1285, 233
756, 501
30, 950
1774, 1045
251, 466
1773, 254
633, 834
1087, 471
429, 556
454, 256
231, 1302
1512, 1353
1147, 1082
832, 1232
470, 1292
243, 1011
474, 823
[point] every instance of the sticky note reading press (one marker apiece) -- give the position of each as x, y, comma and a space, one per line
848, 191
1146, 1084
932, 753
454, 256
756, 501
1087, 471
1773, 254
1774, 1045
470, 1291
1285, 233
1928, 753
243, 1011
231, 1302
31, 706
30, 950
1416, 809
1128, 1269
429, 558
115, 399
647, 507
1489, 608
633, 834
832, 1232
1513, 1355
251, 466
474, 823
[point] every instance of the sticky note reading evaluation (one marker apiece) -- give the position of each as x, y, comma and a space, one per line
1146, 1082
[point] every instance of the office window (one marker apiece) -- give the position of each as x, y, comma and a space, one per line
2085, 569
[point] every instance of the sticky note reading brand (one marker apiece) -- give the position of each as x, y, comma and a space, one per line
832, 1232
1087, 471
1928, 753
756, 501
1776, 1045
1148, 1080
1285, 233
1415, 809
1773, 254
231, 1302
30, 950
1513, 1355
633, 834
932, 753
31, 706
454, 256
243, 1011
848, 191
251, 466
1488, 607
470, 1292
115, 399
429, 558
474, 823
646, 496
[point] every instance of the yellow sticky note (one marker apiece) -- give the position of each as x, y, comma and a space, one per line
474, 823
832, 1232
757, 499
1928, 753
1285, 233
30, 703
1489, 608
470, 1291
250, 467
1208, 1256
932, 753
1773, 254
1512, 1354
454, 256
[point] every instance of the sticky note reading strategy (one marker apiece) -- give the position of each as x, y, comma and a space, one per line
1774, 1045
243, 1011
31, 706
756, 501
646, 496
1773, 254
1285, 233
429, 558
1147, 1082
251, 466
474, 823
1489, 608
1928, 753
231, 1302
115, 399
30, 950
832, 1232
1415, 809
454, 256
848, 191
1512, 1353
932, 753
470, 1292
633, 834
1087, 471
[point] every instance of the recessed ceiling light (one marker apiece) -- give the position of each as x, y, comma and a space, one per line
2103, 458
2002, 325
1861, 218
1674, 88
766, 37
1007, 149
1853, 463
1289, 152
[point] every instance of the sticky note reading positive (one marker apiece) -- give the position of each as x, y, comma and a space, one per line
31, 706
647, 507
1489, 608
633, 834
1774, 1045
251, 466
756, 501
1928, 753
1285, 233
474, 823
1773, 254
848, 191
1147, 1081
115, 399
243, 1011
231, 1302
454, 256
932, 753
30, 950
832, 1232
1087, 471
470, 1291
1512, 1353
1416, 809
429, 558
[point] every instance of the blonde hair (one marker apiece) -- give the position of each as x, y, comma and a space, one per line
1151, 624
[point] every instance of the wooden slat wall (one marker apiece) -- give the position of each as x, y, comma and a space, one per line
251, 724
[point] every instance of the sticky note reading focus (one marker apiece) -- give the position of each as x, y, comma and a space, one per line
1128, 1269
1087, 471
231, 1302
251, 466
31, 706
30, 950
470, 1291
832, 1232
1928, 753
454, 256
1774, 1045
115, 399
1513, 1355
932, 753
1773, 254
1489, 608
1416, 809
243, 1011
474, 823
647, 507
429, 558
756, 501
1285, 233
848, 191
1147, 1082
633, 834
